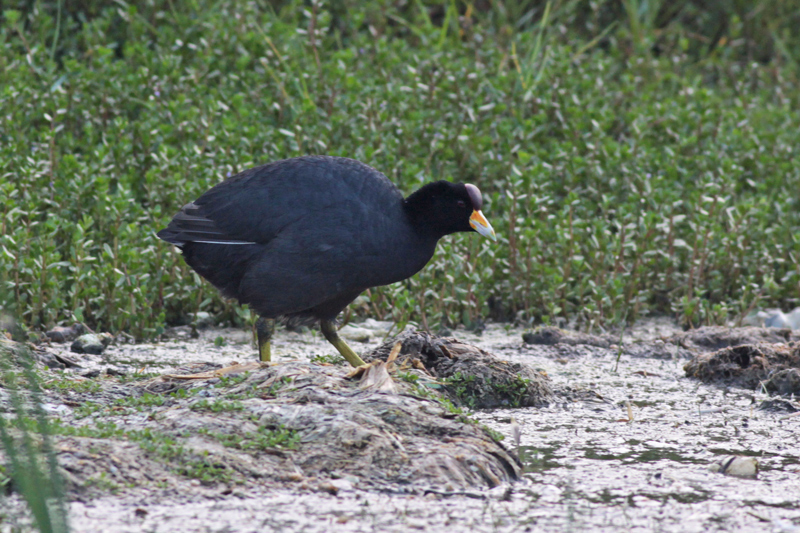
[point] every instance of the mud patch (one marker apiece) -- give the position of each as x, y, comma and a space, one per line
549, 336
470, 376
304, 424
589, 465
776, 367
711, 338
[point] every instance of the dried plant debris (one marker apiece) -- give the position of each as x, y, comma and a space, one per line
468, 375
775, 367
300, 424
549, 336
710, 338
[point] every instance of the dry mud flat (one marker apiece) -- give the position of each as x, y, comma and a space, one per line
298, 446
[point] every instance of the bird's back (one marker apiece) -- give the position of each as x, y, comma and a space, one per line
257, 204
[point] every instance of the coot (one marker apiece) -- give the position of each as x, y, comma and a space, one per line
301, 238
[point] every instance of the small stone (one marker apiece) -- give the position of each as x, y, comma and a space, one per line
737, 466
90, 344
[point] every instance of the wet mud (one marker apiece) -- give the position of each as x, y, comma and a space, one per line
619, 437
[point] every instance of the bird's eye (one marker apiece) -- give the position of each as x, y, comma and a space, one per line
461, 203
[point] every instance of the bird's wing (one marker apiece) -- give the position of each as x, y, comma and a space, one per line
257, 204
190, 225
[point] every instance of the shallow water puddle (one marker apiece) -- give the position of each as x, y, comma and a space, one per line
652, 473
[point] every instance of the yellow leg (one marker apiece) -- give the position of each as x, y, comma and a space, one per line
332, 334
265, 327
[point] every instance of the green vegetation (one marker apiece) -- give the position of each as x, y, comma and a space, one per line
636, 157
469, 391
137, 376
229, 401
102, 483
265, 438
30, 465
229, 381
66, 382
187, 462
146, 400
408, 377
466, 419
216, 406
328, 359
159, 445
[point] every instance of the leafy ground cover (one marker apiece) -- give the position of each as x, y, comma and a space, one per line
636, 157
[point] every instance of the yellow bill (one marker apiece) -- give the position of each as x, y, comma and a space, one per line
479, 223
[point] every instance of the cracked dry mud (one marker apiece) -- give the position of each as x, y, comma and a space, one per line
366, 460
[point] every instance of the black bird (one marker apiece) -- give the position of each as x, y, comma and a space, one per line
301, 238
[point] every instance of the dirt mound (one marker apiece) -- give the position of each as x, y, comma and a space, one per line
471, 376
710, 338
294, 423
549, 336
774, 366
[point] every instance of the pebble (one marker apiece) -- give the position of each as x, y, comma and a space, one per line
737, 466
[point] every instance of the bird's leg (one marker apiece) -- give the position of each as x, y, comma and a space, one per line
328, 328
265, 327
